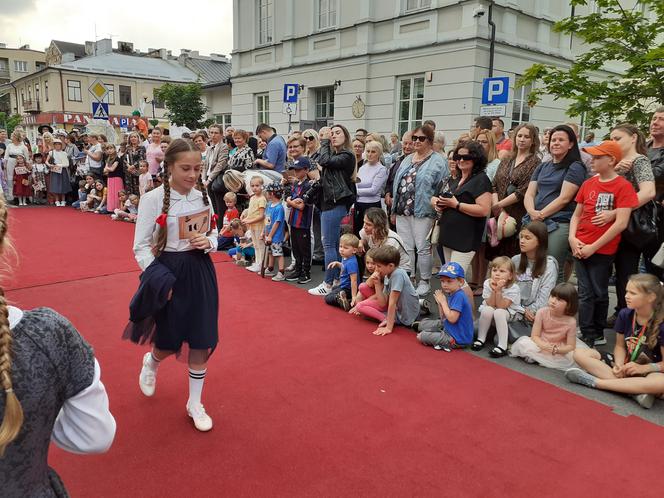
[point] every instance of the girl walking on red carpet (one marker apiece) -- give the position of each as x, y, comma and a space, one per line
177, 301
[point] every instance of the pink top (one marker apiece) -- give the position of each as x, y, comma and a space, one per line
555, 330
154, 156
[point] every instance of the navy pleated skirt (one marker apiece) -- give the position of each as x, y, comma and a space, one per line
192, 312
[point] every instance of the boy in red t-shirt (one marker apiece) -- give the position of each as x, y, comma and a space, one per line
604, 205
225, 240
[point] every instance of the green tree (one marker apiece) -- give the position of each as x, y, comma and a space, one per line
10, 122
614, 34
184, 103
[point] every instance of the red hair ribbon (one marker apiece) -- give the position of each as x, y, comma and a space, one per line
161, 219
215, 218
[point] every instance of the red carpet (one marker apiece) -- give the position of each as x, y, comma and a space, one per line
306, 402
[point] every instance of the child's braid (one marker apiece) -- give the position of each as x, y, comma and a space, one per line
13, 417
162, 237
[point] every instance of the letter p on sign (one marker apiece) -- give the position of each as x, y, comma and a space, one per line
290, 93
495, 90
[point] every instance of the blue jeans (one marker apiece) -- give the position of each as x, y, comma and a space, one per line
592, 276
330, 227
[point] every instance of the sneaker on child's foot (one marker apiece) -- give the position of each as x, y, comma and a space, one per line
645, 400
342, 299
202, 420
293, 276
320, 290
423, 288
578, 376
269, 272
114, 217
147, 380
254, 268
305, 278
279, 277
599, 341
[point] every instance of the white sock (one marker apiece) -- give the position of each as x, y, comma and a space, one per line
153, 363
486, 316
500, 319
196, 380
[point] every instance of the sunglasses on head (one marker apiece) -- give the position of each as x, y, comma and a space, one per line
463, 157
419, 138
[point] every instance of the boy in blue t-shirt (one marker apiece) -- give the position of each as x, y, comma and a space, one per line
275, 229
455, 327
345, 292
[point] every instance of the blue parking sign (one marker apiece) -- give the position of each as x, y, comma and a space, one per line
495, 90
290, 92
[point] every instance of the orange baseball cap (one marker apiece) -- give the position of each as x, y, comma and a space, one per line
606, 148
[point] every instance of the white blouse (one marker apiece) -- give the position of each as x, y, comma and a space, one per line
85, 423
149, 208
60, 158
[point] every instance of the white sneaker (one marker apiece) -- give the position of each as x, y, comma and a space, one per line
254, 268
279, 277
202, 420
423, 288
320, 290
114, 217
291, 267
268, 272
147, 381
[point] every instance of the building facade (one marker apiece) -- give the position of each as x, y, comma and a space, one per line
388, 65
16, 63
59, 95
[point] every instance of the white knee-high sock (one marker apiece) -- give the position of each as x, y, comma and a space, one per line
500, 318
153, 362
486, 316
196, 380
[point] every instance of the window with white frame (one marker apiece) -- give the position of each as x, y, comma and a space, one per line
223, 119
74, 91
327, 14
521, 109
263, 108
410, 5
21, 66
110, 96
325, 103
265, 21
410, 103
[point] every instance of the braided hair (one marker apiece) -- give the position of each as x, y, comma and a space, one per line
12, 419
177, 146
649, 284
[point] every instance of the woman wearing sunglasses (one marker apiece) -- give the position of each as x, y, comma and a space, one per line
415, 182
464, 203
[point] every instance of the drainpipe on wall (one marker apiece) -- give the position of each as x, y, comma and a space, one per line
492, 44
62, 98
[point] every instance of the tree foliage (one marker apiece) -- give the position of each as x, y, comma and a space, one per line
10, 122
183, 102
615, 34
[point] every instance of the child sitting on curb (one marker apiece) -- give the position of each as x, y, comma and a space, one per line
455, 326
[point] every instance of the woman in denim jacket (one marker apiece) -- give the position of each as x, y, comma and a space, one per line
414, 184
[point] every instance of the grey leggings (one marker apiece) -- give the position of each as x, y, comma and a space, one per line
559, 247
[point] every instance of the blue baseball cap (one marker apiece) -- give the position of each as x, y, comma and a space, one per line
300, 163
452, 270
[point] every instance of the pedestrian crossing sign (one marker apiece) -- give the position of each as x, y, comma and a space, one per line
99, 110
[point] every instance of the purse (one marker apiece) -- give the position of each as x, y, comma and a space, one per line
434, 234
642, 228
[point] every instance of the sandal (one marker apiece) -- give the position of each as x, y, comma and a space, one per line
497, 352
477, 345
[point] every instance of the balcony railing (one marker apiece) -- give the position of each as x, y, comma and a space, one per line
31, 106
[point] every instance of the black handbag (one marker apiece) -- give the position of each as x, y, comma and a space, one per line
642, 228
